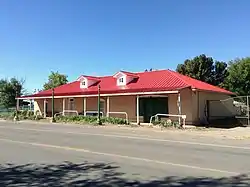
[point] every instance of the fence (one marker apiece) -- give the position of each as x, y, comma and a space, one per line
234, 110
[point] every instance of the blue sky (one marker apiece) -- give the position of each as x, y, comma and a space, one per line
96, 37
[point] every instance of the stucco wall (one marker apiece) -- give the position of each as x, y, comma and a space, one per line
217, 108
186, 105
91, 104
195, 107
38, 105
123, 104
58, 105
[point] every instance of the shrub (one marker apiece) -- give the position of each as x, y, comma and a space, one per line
112, 120
89, 119
26, 115
166, 123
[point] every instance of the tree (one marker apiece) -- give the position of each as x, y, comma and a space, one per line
238, 79
55, 79
205, 69
9, 90
220, 73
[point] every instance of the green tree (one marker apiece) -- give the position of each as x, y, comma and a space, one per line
238, 79
220, 73
55, 79
9, 90
205, 69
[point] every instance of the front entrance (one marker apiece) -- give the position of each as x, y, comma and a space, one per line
150, 106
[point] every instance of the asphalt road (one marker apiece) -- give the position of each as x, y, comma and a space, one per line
61, 155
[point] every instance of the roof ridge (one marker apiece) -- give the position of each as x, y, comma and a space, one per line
127, 72
178, 77
157, 70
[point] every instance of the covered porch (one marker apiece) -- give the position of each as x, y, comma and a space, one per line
137, 108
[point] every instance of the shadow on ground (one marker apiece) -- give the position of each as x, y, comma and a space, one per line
98, 174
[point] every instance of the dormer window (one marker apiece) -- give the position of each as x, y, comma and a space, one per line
83, 83
123, 78
121, 81
87, 81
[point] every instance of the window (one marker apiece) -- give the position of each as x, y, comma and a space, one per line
83, 83
71, 104
102, 105
121, 80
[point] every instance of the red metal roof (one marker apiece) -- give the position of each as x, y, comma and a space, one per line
160, 80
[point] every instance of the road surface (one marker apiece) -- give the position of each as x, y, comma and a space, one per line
35, 154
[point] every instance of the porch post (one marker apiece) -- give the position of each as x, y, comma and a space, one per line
108, 106
84, 105
44, 108
63, 105
137, 110
179, 106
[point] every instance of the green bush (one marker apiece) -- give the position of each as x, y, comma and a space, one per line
166, 123
90, 119
29, 115
22, 115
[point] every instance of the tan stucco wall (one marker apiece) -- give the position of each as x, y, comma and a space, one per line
58, 104
123, 104
216, 108
186, 104
195, 107
92, 104
38, 105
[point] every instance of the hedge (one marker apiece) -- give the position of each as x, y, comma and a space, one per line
90, 119
29, 115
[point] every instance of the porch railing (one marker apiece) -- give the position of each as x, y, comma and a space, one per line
171, 115
125, 113
66, 111
93, 112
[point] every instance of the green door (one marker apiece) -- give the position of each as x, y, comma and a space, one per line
153, 105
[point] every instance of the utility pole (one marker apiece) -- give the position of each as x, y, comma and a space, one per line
99, 118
